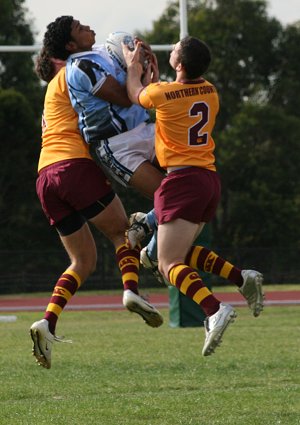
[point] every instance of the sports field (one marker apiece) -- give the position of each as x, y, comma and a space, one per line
118, 371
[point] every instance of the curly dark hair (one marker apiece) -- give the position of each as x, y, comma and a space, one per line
56, 37
195, 56
44, 67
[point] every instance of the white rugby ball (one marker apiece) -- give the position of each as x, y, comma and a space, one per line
114, 47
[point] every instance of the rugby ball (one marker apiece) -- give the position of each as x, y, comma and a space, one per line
113, 45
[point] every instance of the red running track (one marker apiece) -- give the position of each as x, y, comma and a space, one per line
114, 302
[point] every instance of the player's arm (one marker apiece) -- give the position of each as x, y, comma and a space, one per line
113, 92
87, 75
134, 71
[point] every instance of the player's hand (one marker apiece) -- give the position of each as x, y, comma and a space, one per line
132, 56
147, 75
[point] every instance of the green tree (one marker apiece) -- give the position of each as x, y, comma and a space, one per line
18, 170
20, 114
261, 178
285, 84
17, 69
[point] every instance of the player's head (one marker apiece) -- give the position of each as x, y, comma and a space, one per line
193, 55
57, 36
65, 36
47, 67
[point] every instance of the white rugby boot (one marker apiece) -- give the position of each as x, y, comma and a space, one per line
136, 304
215, 327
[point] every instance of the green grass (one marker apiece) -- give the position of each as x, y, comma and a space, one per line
118, 371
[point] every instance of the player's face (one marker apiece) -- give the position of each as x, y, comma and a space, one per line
83, 37
174, 55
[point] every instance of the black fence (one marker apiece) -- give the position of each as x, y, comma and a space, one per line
37, 271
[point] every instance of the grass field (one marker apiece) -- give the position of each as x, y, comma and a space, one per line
118, 371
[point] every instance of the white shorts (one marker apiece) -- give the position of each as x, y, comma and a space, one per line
121, 155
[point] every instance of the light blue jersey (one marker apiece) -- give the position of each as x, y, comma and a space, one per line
98, 119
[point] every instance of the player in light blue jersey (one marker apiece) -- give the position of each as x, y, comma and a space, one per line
98, 118
120, 134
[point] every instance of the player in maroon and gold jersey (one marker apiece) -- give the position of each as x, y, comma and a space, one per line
187, 198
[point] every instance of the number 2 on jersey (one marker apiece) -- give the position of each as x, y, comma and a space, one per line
196, 138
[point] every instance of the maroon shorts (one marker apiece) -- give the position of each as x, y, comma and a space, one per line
191, 193
69, 186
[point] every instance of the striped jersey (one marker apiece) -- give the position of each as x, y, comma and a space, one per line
185, 118
99, 119
61, 138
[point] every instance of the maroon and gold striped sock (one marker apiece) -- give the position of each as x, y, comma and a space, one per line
129, 264
64, 289
190, 284
208, 261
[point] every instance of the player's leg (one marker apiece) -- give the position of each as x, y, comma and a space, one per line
129, 158
74, 180
146, 179
112, 222
249, 282
172, 252
188, 281
81, 249
142, 225
186, 199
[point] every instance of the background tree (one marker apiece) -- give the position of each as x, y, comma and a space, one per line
18, 168
16, 70
285, 83
260, 171
21, 103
